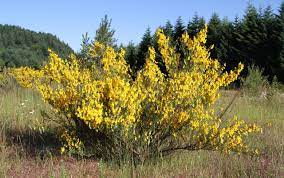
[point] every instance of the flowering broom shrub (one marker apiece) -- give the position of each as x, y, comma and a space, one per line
111, 115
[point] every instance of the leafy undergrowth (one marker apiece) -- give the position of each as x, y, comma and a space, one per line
29, 150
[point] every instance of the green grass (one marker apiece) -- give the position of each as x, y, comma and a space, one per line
29, 150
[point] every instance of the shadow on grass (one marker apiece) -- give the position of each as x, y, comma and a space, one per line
33, 143
35, 154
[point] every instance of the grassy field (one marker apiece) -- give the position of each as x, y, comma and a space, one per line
29, 146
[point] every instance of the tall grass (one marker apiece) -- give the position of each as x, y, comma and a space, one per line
29, 148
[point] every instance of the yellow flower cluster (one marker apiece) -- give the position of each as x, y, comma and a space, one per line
71, 142
150, 107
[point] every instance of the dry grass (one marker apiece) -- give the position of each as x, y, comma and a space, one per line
28, 150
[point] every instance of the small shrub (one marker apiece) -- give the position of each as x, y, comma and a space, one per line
254, 84
113, 116
257, 85
6, 81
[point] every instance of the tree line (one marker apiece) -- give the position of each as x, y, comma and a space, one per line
22, 47
255, 39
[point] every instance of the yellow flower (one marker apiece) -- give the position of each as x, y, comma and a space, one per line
62, 151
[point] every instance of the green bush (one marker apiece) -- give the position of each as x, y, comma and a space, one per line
254, 84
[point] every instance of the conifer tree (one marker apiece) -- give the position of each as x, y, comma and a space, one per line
105, 33
225, 51
83, 54
147, 40
131, 55
280, 20
168, 29
214, 34
269, 58
195, 25
248, 34
178, 31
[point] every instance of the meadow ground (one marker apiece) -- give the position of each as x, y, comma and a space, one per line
30, 148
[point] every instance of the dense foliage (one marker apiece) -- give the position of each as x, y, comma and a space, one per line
110, 114
256, 39
21, 47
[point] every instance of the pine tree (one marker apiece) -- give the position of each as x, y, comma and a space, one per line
280, 20
131, 55
168, 29
225, 51
178, 31
83, 54
105, 33
214, 34
147, 40
248, 33
195, 25
271, 46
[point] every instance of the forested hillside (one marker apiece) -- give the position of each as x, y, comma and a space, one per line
22, 47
